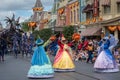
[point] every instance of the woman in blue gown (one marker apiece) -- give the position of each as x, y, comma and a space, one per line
41, 66
105, 61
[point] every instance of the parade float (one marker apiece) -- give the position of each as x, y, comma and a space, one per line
12, 31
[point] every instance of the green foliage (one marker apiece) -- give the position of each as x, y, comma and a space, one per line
36, 34
25, 26
68, 32
43, 34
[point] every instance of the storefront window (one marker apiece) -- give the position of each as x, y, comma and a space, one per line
118, 7
89, 15
106, 9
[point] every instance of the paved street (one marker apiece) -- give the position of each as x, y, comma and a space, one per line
16, 69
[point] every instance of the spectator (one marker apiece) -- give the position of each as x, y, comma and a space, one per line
116, 54
81, 56
90, 52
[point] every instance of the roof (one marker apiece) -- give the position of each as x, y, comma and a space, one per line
92, 31
38, 3
88, 7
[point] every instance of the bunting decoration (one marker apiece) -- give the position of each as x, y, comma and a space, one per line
112, 28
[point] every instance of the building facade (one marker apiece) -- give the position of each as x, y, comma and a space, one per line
61, 13
40, 17
73, 12
68, 13
110, 12
102, 17
82, 15
52, 22
93, 19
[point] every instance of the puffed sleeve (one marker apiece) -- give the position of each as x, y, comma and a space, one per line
60, 44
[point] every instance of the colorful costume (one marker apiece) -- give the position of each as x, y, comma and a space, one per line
54, 47
24, 44
31, 44
63, 59
113, 42
41, 66
105, 61
85, 44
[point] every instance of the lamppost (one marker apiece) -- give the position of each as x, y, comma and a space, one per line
76, 27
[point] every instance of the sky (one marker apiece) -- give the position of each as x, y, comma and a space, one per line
22, 8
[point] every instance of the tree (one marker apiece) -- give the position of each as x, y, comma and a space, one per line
25, 26
68, 32
36, 34
43, 34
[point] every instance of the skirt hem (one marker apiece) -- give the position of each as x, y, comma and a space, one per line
42, 76
106, 70
64, 70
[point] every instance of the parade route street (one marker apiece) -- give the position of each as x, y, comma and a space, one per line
16, 69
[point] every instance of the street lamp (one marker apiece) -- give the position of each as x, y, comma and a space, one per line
76, 27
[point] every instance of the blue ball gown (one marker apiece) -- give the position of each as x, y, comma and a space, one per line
41, 65
105, 61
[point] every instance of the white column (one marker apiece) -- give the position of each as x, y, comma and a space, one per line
103, 29
116, 34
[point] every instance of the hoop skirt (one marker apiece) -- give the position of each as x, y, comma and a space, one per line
105, 61
41, 65
63, 59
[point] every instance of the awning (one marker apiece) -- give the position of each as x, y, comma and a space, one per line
58, 29
94, 31
118, 1
106, 2
89, 7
